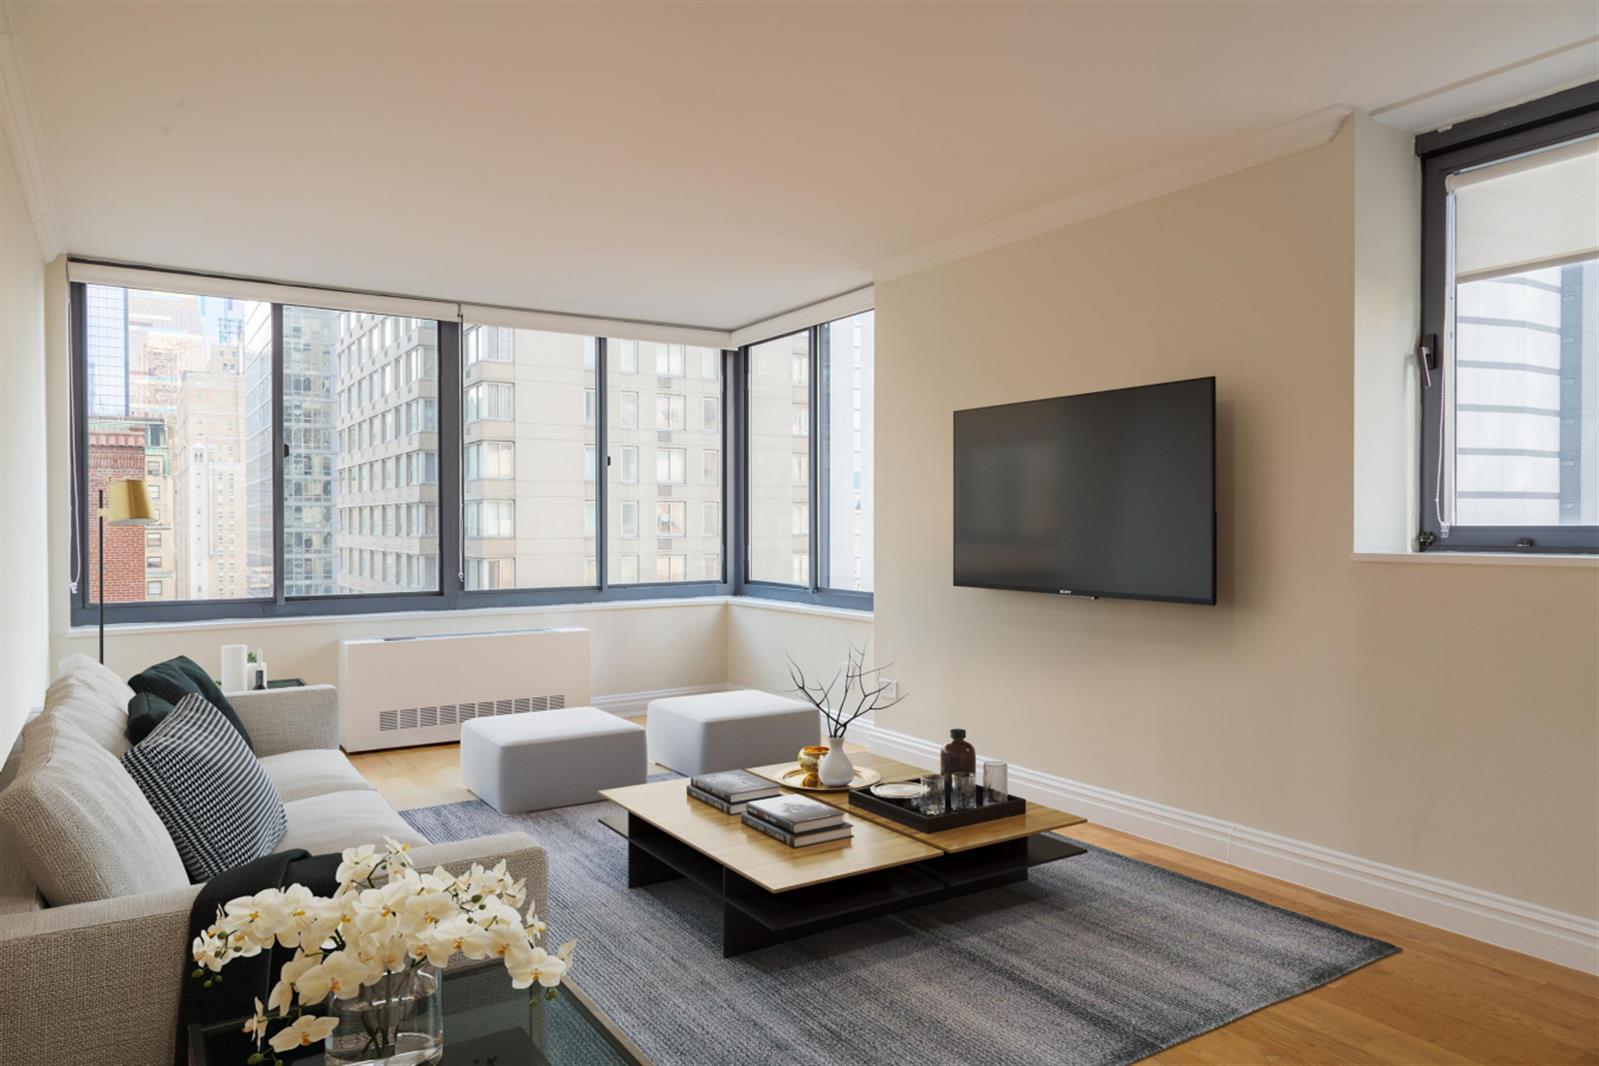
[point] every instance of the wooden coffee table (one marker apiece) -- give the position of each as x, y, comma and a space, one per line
771, 892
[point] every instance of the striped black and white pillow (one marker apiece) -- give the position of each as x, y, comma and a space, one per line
207, 787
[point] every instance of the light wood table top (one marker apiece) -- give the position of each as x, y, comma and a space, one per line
774, 866
1037, 819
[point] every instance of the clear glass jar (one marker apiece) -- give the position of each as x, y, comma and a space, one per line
397, 1021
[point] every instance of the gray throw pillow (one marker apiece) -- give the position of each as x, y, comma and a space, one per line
208, 788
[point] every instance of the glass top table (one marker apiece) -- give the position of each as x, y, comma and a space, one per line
485, 1020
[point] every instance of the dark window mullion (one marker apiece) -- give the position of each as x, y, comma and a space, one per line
814, 571
78, 319
452, 561
602, 465
279, 455
821, 570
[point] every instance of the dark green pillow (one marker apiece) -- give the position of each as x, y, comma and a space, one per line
180, 677
145, 712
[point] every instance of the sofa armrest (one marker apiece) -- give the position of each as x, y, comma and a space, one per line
289, 719
97, 983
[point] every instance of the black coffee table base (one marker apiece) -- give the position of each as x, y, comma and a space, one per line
755, 918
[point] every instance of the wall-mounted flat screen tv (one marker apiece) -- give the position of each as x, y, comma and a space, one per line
1102, 494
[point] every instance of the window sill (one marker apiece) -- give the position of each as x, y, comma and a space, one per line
1581, 562
763, 604
379, 617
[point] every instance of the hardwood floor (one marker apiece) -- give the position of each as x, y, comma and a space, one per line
1443, 999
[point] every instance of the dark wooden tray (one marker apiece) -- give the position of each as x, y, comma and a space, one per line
905, 812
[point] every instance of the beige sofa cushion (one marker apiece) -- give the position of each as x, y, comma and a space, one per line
78, 822
339, 820
92, 698
91, 671
312, 772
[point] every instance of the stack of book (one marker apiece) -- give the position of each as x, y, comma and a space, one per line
731, 790
796, 820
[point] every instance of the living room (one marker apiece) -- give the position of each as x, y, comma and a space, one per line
1038, 533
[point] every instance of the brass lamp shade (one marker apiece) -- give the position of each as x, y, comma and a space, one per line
127, 503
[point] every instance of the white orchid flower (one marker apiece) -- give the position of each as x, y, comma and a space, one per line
528, 964
339, 975
305, 1031
256, 1024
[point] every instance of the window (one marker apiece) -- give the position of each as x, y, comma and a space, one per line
670, 465
490, 574
774, 487
668, 360
669, 412
669, 518
491, 518
845, 496
673, 432
490, 460
318, 397
490, 401
180, 383
1510, 292
547, 433
374, 481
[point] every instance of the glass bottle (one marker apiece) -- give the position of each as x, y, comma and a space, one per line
959, 757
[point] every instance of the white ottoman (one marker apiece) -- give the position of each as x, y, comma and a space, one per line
539, 759
729, 730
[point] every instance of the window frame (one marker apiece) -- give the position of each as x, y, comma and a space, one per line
450, 592
817, 591
1528, 127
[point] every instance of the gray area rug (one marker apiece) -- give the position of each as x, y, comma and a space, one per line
1097, 959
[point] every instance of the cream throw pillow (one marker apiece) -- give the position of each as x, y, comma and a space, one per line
79, 824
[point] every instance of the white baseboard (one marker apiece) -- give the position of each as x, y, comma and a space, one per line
1567, 939
631, 704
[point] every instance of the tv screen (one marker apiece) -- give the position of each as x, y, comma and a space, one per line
1102, 494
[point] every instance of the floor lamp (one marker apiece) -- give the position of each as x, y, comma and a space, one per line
122, 503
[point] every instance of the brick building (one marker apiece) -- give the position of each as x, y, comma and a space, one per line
114, 455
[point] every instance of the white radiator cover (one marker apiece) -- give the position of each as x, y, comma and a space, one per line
399, 692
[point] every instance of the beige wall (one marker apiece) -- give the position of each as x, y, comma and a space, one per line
24, 597
1437, 717
761, 635
632, 648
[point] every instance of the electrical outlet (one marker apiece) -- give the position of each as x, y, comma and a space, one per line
890, 689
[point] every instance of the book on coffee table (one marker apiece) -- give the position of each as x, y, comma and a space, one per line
730, 790
795, 814
800, 840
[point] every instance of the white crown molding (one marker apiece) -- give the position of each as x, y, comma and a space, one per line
1566, 939
1309, 131
22, 136
1492, 90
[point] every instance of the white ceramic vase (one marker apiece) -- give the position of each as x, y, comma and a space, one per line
835, 769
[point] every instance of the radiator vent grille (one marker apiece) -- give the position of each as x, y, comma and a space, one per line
402, 718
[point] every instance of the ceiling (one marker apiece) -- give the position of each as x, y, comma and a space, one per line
702, 164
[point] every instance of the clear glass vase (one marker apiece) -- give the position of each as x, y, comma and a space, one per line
398, 1021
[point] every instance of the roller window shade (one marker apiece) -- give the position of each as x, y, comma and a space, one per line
1528, 213
552, 322
268, 292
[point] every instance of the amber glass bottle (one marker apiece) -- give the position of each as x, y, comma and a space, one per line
959, 756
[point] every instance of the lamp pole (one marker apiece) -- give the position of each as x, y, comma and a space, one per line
101, 518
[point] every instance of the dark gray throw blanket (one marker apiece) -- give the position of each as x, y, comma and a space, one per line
244, 980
